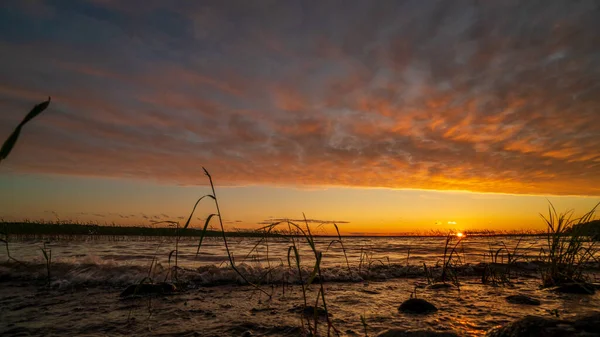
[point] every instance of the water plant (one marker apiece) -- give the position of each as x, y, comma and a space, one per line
502, 262
448, 273
47, 252
218, 215
4, 240
315, 276
568, 251
366, 261
5, 150
339, 240
173, 271
363, 320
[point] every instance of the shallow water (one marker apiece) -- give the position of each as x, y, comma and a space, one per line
87, 277
141, 250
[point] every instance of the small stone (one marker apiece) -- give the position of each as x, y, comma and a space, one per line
417, 306
522, 299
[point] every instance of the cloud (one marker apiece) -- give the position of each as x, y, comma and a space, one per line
432, 95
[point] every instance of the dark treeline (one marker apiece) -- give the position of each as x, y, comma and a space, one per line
36, 228
28, 229
591, 228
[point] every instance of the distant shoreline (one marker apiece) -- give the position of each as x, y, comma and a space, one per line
73, 229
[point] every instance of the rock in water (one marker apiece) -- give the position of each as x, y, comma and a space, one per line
417, 306
522, 299
549, 327
309, 311
575, 288
528, 326
589, 323
148, 289
415, 333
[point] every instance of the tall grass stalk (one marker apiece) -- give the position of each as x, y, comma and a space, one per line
568, 250
363, 320
4, 240
173, 254
230, 256
316, 274
499, 270
339, 240
293, 248
47, 252
449, 252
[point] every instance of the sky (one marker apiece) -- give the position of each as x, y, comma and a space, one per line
386, 116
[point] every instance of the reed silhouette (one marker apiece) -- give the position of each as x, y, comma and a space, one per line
10, 142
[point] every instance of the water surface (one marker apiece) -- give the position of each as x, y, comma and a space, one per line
372, 278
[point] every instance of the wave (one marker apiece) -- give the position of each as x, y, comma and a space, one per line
118, 274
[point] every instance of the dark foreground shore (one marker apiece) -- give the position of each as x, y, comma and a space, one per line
29, 308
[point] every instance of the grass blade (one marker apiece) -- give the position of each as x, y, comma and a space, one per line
203, 233
315, 270
10, 142
187, 223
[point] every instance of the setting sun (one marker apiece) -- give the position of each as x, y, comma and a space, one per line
460, 235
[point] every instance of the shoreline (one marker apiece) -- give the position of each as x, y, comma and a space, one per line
35, 229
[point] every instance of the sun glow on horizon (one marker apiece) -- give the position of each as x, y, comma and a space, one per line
129, 203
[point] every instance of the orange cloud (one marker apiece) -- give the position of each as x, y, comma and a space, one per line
411, 96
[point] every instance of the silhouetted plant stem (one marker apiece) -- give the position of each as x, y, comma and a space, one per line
10, 142
229, 254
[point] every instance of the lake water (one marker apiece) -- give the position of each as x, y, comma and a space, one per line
370, 277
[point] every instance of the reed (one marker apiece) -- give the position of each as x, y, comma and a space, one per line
494, 272
10, 142
502, 262
315, 276
173, 254
568, 251
5, 150
47, 253
297, 262
366, 262
341, 243
363, 321
4, 240
230, 256
448, 273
